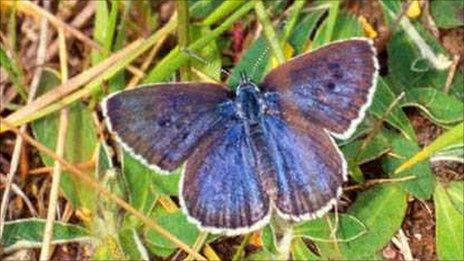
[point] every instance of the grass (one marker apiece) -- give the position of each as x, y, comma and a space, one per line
127, 211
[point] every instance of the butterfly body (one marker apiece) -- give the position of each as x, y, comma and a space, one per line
267, 147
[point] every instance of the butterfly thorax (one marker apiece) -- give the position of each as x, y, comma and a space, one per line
249, 103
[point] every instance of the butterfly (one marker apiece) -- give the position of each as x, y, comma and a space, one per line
265, 147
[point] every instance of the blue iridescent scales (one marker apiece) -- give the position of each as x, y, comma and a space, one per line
266, 148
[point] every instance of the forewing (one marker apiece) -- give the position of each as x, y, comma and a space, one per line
310, 169
331, 86
221, 191
161, 124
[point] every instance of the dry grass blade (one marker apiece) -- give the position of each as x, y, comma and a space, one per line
30, 8
91, 182
71, 85
41, 51
17, 190
62, 129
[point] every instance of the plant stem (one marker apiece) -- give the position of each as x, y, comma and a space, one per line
176, 57
103, 191
238, 254
183, 35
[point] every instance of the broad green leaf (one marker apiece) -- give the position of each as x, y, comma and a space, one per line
346, 26
27, 233
437, 105
381, 209
455, 191
167, 184
81, 143
300, 36
453, 136
449, 227
269, 239
448, 14
253, 62
103, 163
300, 251
415, 57
138, 179
132, 245
383, 98
423, 184
378, 146
110, 178
177, 224
349, 228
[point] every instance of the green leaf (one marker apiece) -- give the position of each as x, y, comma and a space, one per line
346, 26
300, 251
415, 57
448, 14
449, 227
200, 8
300, 36
222, 11
453, 136
261, 255
176, 58
138, 179
269, 239
177, 224
423, 184
437, 105
132, 245
381, 209
378, 146
80, 146
167, 184
27, 233
349, 228
108, 248
14, 72
453, 152
118, 81
455, 191
209, 60
383, 98
254, 62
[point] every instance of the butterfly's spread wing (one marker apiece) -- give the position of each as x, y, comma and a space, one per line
331, 86
162, 124
309, 171
221, 191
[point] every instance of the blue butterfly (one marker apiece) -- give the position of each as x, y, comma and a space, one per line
265, 148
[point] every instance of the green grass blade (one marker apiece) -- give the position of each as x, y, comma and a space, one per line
14, 72
226, 8
454, 135
269, 32
176, 57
